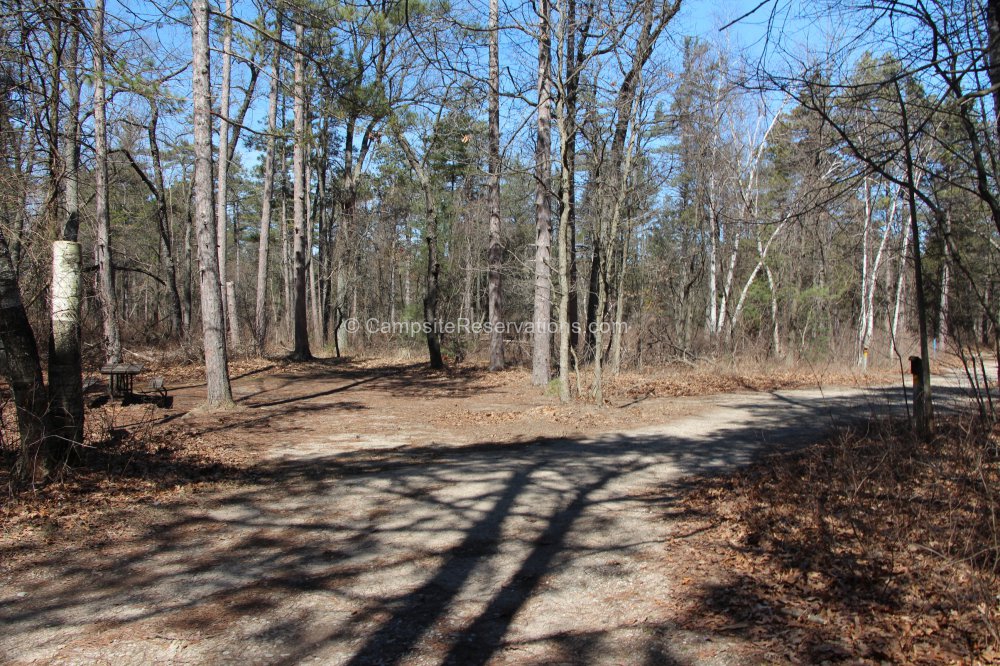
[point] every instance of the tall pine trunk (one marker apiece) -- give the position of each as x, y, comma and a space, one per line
495, 249
102, 243
165, 226
213, 322
301, 350
541, 340
222, 167
260, 311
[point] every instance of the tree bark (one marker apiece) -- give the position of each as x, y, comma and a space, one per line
71, 142
924, 411
541, 339
20, 363
102, 244
301, 350
65, 348
260, 312
65, 364
222, 166
495, 249
219, 392
943, 316
165, 226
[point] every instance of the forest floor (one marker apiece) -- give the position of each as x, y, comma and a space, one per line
375, 512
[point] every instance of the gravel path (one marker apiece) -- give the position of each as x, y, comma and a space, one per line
373, 551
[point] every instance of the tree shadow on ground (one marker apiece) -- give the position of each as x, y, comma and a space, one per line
543, 550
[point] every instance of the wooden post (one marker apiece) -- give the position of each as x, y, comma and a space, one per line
916, 370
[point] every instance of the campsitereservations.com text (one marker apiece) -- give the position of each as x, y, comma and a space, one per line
463, 326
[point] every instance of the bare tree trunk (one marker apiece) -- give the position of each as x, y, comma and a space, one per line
762, 250
616, 331
222, 163
286, 268
188, 269
623, 148
923, 409
433, 275
301, 350
165, 227
898, 301
712, 310
56, 165
102, 244
65, 364
312, 299
65, 349
541, 340
20, 363
942, 328
465, 307
260, 318
71, 142
563, 241
212, 319
495, 249
775, 333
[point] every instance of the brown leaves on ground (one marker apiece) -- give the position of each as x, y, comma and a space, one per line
867, 548
713, 378
130, 459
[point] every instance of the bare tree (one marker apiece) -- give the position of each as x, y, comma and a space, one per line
431, 214
19, 362
260, 312
495, 248
541, 337
212, 318
65, 343
102, 245
301, 351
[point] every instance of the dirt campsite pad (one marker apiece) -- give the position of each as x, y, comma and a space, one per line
378, 513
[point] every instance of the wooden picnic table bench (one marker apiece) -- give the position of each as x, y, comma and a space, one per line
120, 378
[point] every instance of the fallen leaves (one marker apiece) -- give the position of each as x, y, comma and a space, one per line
862, 549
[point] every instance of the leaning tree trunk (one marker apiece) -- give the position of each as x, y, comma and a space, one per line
213, 322
102, 244
20, 364
166, 228
923, 409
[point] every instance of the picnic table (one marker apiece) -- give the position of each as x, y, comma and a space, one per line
120, 378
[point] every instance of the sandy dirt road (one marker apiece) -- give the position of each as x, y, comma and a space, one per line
461, 544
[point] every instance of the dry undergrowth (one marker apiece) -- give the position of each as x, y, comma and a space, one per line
867, 548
